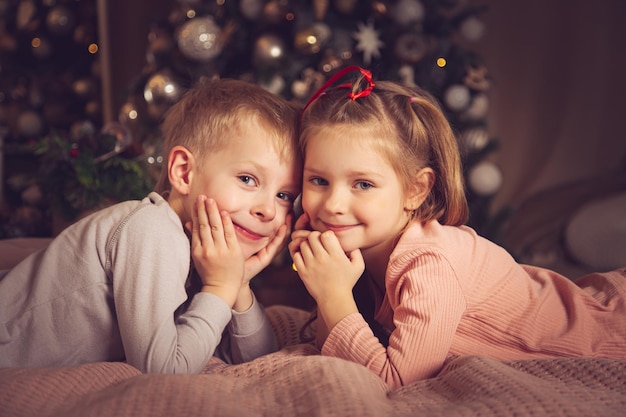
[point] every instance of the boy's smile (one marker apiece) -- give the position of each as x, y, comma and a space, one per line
247, 178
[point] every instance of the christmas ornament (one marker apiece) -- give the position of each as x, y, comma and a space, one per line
199, 39
320, 8
485, 178
269, 51
410, 47
476, 78
457, 97
477, 109
60, 20
345, 6
406, 12
251, 9
368, 42
162, 89
25, 18
41, 47
30, 124
472, 28
474, 139
312, 39
160, 92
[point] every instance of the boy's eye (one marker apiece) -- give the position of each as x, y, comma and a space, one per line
318, 181
286, 196
247, 179
364, 185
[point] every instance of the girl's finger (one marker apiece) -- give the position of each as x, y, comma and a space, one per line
305, 252
302, 223
330, 243
315, 244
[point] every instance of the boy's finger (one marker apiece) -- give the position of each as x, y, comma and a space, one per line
198, 216
230, 236
215, 221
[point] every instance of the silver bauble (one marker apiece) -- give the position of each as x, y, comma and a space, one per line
199, 39
162, 89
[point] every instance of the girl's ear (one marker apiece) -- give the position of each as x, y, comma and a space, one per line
180, 169
422, 184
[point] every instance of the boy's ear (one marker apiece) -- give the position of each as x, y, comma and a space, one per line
180, 169
422, 184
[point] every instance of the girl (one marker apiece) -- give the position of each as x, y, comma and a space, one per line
383, 193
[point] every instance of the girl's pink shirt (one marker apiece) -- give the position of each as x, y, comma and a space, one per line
452, 292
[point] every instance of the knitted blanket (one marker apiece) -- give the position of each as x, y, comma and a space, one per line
297, 381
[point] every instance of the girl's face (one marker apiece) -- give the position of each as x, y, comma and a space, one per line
351, 189
247, 178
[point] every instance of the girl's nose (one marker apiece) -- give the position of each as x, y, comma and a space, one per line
335, 201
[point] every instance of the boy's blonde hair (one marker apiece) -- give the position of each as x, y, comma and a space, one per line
199, 120
412, 133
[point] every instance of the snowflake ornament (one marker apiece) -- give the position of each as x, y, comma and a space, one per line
368, 42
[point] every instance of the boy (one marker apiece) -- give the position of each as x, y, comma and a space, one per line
126, 284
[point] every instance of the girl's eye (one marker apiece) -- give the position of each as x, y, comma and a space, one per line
364, 185
318, 181
247, 179
287, 197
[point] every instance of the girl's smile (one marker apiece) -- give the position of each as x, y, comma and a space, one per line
360, 198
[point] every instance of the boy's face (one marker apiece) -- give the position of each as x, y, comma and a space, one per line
247, 179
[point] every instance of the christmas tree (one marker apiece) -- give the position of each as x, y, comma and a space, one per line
292, 47
59, 159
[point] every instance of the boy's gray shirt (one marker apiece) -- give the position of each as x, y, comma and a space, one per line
112, 287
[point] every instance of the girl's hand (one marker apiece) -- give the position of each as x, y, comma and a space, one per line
324, 268
329, 274
302, 229
215, 250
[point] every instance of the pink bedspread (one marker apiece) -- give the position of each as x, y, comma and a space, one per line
297, 381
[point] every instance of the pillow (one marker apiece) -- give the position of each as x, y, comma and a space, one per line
596, 233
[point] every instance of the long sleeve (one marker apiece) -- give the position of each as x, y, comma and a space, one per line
149, 258
248, 335
423, 325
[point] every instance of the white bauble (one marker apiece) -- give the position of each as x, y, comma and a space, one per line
485, 178
457, 97
472, 28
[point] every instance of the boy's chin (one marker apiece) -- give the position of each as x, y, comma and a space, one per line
251, 250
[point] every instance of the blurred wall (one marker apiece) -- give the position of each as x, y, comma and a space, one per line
558, 100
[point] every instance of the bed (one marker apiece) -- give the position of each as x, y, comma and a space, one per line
298, 381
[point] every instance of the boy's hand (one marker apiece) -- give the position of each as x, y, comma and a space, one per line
257, 262
215, 251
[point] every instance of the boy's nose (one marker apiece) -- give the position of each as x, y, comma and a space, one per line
265, 208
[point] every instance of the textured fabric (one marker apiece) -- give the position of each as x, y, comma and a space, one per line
113, 286
296, 381
450, 291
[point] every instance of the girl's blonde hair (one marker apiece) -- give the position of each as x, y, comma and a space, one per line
414, 134
200, 119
